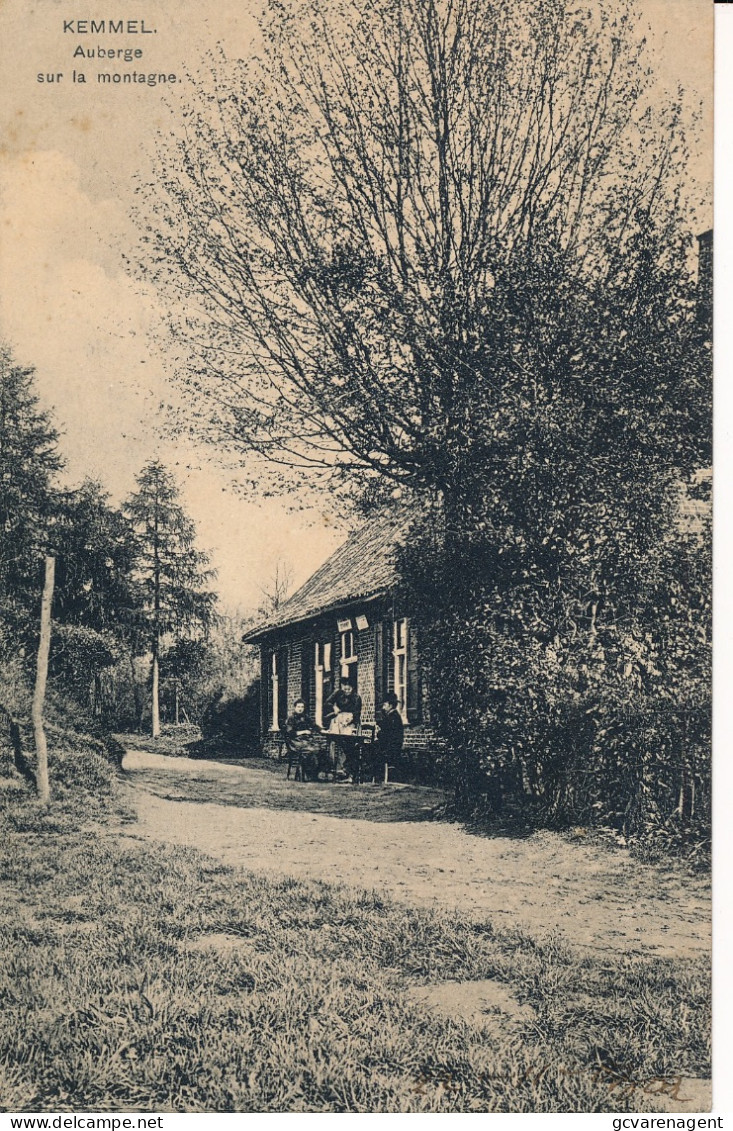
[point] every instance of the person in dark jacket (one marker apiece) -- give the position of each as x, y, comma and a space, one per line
344, 707
391, 731
302, 736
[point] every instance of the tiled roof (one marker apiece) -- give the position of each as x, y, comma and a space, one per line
364, 566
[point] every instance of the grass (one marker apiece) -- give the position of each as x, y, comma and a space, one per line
137, 978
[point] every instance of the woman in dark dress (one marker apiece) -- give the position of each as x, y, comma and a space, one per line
302, 735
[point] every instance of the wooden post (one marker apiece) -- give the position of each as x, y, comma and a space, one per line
39, 693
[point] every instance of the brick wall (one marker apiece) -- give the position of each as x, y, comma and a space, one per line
366, 646
272, 746
419, 756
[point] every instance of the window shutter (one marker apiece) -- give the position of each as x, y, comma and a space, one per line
388, 629
414, 697
378, 665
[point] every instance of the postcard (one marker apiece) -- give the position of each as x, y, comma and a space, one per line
356, 559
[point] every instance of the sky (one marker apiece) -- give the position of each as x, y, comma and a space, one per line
69, 158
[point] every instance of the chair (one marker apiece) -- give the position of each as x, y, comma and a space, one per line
294, 757
365, 751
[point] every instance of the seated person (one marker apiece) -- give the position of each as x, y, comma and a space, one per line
390, 731
345, 710
302, 738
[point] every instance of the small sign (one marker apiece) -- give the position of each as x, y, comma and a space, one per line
344, 625
362, 622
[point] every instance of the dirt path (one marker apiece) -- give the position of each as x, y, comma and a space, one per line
598, 898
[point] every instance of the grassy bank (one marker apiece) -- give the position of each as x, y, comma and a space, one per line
138, 978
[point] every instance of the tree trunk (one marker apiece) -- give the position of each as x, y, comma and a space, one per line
155, 709
39, 694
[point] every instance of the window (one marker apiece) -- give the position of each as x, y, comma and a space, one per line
399, 652
348, 655
349, 658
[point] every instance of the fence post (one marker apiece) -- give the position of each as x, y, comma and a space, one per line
39, 693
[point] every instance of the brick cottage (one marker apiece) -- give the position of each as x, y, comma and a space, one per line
347, 619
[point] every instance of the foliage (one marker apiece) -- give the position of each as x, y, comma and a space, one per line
95, 551
597, 710
125, 579
80, 769
15, 692
210, 671
79, 656
170, 570
235, 720
29, 461
96, 598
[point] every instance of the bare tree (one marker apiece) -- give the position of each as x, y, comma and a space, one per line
277, 591
377, 234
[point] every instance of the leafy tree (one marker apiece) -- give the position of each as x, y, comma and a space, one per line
171, 571
210, 671
447, 246
29, 461
588, 710
410, 225
96, 554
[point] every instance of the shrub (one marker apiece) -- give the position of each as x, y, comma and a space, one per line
234, 720
81, 756
582, 709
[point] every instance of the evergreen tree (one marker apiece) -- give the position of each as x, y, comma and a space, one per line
29, 460
98, 600
171, 571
